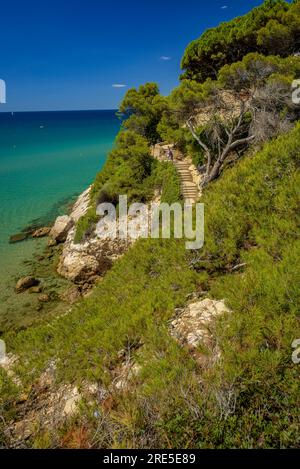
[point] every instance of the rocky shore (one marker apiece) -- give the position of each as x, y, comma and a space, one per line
66, 270
85, 262
61, 271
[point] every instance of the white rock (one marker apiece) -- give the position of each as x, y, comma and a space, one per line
81, 205
94, 256
192, 325
61, 228
71, 402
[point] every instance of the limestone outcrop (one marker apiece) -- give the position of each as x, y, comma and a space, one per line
62, 226
82, 262
194, 327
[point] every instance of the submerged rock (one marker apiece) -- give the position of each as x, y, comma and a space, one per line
61, 228
30, 231
36, 289
16, 238
41, 232
44, 298
51, 243
71, 295
25, 283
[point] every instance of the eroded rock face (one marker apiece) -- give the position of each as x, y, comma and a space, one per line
84, 262
193, 326
81, 205
26, 282
79, 262
36, 289
59, 231
47, 408
72, 402
91, 258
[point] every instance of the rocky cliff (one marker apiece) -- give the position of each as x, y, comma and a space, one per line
84, 262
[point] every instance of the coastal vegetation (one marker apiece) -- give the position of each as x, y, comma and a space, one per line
256, 384
250, 102
233, 113
273, 28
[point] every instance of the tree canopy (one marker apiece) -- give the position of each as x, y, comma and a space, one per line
250, 101
271, 29
144, 108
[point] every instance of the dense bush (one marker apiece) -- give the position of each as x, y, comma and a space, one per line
126, 172
166, 179
144, 107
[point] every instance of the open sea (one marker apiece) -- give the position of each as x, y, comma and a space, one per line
46, 160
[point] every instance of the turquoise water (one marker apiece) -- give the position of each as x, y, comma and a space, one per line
46, 159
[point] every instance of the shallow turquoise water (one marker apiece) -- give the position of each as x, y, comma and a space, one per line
46, 158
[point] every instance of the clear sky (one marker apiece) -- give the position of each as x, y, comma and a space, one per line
68, 54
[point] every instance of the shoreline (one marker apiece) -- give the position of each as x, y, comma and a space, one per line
22, 310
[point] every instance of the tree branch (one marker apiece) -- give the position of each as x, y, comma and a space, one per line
241, 141
202, 144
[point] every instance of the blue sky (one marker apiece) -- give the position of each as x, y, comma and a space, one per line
68, 54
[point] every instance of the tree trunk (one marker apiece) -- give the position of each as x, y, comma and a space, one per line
202, 145
215, 172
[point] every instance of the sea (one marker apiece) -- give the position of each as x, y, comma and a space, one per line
46, 160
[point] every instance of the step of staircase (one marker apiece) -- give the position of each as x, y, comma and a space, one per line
189, 189
184, 193
188, 192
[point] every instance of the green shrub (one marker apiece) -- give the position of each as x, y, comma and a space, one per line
166, 179
126, 172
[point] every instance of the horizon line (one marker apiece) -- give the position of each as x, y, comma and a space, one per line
59, 110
